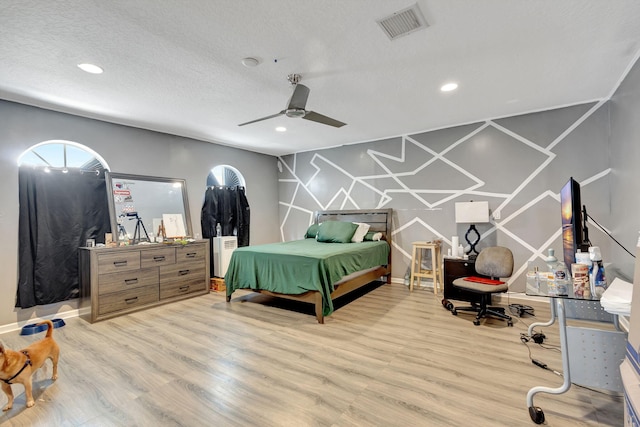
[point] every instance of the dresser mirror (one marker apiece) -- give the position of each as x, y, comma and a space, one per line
143, 207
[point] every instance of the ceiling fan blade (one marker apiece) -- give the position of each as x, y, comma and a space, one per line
264, 118
316, 117
299, 97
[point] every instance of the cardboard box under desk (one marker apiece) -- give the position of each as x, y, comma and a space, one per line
217, 284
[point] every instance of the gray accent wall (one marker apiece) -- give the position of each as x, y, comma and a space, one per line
518, 164
625, 171
126, 150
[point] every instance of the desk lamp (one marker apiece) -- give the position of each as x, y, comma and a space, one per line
472, 213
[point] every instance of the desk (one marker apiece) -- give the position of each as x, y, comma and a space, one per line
606, 349
418, 272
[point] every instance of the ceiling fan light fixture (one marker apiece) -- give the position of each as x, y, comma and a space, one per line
295, 112
90, 68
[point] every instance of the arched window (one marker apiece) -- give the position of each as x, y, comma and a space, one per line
226, 205
225, 175
62, 155
63, 204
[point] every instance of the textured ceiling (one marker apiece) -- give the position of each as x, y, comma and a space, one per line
175, 67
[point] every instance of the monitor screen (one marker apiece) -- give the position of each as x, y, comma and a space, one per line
571, 221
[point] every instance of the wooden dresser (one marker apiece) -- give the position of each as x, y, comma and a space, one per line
116, 281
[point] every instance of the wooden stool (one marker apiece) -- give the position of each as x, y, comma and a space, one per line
417, 272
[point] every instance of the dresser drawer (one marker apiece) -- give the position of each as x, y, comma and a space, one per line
124, 280
122, 261
182, 279
190, 253
183, 287
158, 257
125, 300
182, 271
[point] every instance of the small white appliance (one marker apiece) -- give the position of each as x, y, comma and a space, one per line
223, 247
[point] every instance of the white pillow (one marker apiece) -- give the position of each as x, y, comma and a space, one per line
376, 237
362, 229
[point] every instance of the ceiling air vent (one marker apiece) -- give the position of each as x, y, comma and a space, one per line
403, 22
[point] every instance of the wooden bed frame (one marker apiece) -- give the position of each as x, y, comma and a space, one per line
380, 221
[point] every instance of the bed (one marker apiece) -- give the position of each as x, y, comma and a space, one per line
313, 272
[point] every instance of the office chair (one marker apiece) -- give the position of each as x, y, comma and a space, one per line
495, 262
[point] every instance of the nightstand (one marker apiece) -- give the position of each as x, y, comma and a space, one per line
455, 268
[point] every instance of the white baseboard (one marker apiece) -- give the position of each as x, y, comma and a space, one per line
19, 325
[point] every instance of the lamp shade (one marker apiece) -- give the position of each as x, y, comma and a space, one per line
472, 212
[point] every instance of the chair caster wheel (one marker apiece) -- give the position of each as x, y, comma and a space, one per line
536, 414
509, 323
476, 322
454, 312
447, 304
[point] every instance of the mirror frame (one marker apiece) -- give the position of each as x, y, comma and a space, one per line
111, 176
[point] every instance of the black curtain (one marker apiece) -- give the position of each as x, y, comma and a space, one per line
58, 213
229, 207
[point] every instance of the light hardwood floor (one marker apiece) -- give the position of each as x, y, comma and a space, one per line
388, 358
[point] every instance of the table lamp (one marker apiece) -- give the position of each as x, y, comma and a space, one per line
472, 213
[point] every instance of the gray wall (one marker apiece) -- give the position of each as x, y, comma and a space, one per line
625, 174
517, 164
126, 150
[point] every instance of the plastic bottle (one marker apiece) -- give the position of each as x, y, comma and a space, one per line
551, 259
533, 279
561, 277
582, 257
218, 230
597, 279
556, 275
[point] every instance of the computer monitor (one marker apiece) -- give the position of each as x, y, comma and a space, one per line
572, 225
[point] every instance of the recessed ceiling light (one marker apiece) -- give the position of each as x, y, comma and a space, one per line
281, 129
449, 87
90, 68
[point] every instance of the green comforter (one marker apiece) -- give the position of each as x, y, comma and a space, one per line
301, 265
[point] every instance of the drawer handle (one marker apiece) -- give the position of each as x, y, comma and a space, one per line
130, 281
183, 272
119, 263
183, 288
131, 300
191, 255
158, 258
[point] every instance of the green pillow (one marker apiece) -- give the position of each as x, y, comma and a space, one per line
312, 231
336, 232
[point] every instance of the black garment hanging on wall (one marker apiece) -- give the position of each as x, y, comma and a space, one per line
243, 217
58, 213
229, 207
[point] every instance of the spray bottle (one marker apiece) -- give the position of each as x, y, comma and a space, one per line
597, 280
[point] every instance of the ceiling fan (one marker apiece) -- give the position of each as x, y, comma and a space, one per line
296, 106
